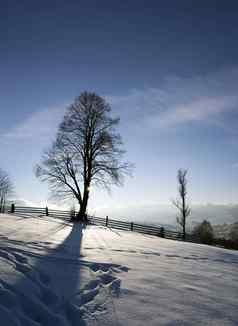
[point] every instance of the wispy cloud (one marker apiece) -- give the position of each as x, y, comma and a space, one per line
203, 109
179, 101
39, 126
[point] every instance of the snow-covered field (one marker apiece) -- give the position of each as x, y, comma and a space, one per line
55, 273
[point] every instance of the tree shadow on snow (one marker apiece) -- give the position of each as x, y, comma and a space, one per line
38, 286
57, 288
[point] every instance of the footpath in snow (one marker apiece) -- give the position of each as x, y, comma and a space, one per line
56, 273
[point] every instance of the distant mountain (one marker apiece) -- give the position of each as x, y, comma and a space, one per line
166, 215
25, 203
224, 230
215, 214
158, 214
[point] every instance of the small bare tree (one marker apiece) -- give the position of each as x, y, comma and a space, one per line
6, 189
87, 151
181, 202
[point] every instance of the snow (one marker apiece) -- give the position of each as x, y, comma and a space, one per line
56, 273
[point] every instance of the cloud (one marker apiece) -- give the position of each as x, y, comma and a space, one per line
200, 110
40, 126
177, 101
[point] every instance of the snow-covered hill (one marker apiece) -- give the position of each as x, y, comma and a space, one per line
55, 273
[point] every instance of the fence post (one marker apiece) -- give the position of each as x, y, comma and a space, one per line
12, 208
46, 211
162, 232
106, 220
132, 225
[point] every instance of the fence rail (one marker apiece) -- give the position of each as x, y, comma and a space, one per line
159, 231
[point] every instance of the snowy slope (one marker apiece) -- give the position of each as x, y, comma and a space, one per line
53, 273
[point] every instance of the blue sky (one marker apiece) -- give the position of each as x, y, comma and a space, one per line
168, 69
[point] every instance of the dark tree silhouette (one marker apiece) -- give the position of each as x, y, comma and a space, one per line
204, 232
6, 189
181, 202
87, 151
233, 234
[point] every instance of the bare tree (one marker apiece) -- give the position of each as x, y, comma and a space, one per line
181, 202
87, 151
6, 189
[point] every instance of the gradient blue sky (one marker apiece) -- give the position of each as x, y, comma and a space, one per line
168, 68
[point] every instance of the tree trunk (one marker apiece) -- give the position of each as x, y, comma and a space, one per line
184, 216
184, 228
82, 216
1, 205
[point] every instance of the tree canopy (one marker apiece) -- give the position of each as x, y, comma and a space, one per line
87, 151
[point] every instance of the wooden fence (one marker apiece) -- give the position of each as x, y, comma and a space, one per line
159, 231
